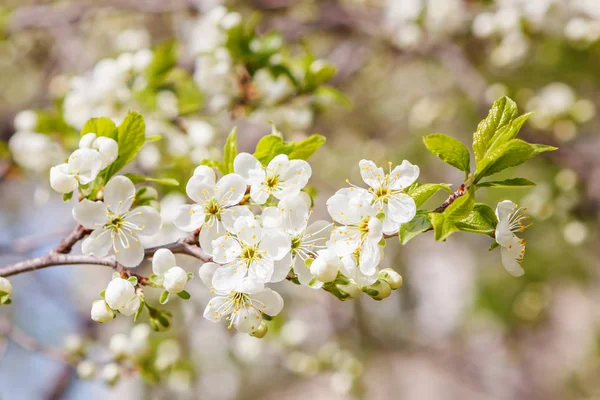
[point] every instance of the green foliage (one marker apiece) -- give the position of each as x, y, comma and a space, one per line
419, 224
445, 224
503, 112
164, 297
137, 178
512, 182
163, 61
184, 295
229, 152
422, 193
481, 220
101, 127
131, 138
449, 150
272, 145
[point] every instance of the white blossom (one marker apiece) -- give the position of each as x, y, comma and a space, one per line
216, 205
281, 178
165, 266
120, 296
101, 312
361, 230
6, 286
25, 121
512, 248
291, 216
114, 225
110, 373
387, 192
326, 266
249, 250
244, 305
83, 167
35, 151
106, 147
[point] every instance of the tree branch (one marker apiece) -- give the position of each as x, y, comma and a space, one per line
67, 244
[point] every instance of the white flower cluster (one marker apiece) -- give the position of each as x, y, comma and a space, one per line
251, 250
107, 90
84, 164
119, 296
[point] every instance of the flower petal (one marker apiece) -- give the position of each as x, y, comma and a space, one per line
246, 320
259, 193
118, 194
206, 272
210, 233
229, 215
128, 250
403, 175
275, 243
268, 301
369, 257
90, 214
345, 240
86, 164
371, 173
248, 230
228, 277
294, 213
231, 190
261, 270
146, 218
200, 189
282, 268
401, 208
249, 168
98, 243
504, 209
510, 262
61, 180
214, 308
207, 173
225, 249
162, 261
189, 217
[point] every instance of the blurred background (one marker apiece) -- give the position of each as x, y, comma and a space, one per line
460, 327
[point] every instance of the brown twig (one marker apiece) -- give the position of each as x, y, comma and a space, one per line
67, 244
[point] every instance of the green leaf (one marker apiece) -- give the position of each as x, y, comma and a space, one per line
326, 95
268, 147
230, 151
154, 138
422, 193
164, 59
509, 131
513, 182
306, 148
184, 295
449, 150
213, 164
509, 154
481, 220
131, 138
419, 224
137, 178
502, 113
461, 207
164, 297
442, 226
101, 127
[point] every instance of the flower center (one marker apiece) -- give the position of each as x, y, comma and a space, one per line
363, 226
250, 254
272, 181
296, 242
212, 207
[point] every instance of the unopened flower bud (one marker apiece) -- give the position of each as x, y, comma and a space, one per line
261, 331
119, 293
175, 279
118, 345
326, 266
74, 344
111, 373
351, 289
86, 370
101, 312
379, 290
5, 286
393, 278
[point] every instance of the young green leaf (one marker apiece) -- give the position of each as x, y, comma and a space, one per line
502, 113
306, 148
101, 127
419, 224
230, 151
422, 193
481, 220
461, 207
509, 154
442, 226
137, 178
131, 138
449, 150
512, 182
184, 295
164, 59
508, 132
268, 147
